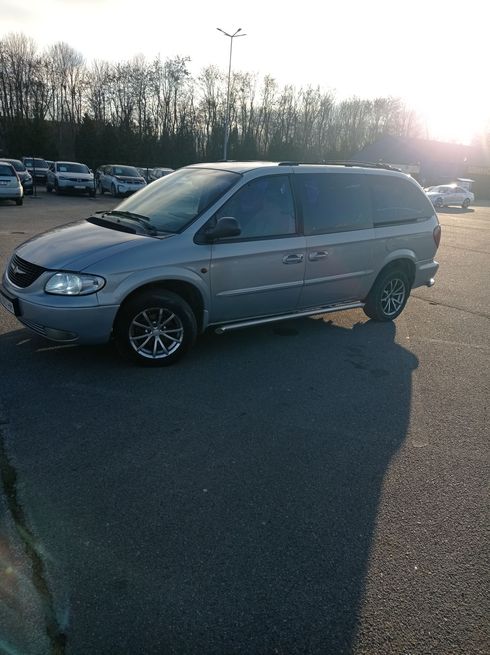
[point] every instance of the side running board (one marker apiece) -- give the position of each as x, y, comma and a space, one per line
273, 319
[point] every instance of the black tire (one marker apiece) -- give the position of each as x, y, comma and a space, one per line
114, 191
439, 202
388, 296
48, 188
19, 201
91, 193
57, 189
466, 203
151, 310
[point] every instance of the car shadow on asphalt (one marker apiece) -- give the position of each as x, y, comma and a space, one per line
242, 485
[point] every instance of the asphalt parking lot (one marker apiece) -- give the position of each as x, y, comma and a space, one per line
315, 487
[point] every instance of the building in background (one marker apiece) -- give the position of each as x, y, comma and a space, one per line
432, 162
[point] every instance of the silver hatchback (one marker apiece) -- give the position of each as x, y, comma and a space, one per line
227, 246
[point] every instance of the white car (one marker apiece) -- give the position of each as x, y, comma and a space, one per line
70, 176
10, 186
449, 194
119, 180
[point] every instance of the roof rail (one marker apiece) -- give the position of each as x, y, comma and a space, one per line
341, 162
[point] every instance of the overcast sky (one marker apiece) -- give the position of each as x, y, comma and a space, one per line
433, 53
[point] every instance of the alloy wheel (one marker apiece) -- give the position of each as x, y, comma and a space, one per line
393, 296
156, 333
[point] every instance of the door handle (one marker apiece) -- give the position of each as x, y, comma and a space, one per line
319, 254
292, 259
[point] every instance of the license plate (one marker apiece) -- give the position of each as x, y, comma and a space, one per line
79, 187
8, 304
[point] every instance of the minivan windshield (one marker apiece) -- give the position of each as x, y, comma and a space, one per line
174, 201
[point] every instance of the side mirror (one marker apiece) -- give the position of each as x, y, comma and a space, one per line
225, 227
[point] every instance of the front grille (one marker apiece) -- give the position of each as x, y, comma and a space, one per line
22, 273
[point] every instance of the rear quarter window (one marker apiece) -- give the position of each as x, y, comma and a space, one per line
396, 200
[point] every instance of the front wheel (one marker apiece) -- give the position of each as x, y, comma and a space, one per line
155, 328
466, 203
114, 191
388, 297
439, 202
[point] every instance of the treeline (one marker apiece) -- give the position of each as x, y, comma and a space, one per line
154, 112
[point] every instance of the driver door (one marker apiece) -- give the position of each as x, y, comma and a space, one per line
260, 272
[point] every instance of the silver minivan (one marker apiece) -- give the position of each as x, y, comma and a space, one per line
227, 246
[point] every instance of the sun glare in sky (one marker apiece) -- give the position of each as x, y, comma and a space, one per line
433, 53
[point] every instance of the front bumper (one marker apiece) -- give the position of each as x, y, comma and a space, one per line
127, 189
72, 185
63, 319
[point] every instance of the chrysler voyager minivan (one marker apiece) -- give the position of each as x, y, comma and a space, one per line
227, 245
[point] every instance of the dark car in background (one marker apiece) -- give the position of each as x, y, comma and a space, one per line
22, 173
158, 172
37, 167
119, 180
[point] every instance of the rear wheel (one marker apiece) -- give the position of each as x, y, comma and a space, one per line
19, 201
155, 328
114, 191
389, 295
466, 203
100, 189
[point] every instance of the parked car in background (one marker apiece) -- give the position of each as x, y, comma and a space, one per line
10, 186
37, 167
119, 180
449, 194
157, 173
227, 245
24, 176
70, 176
144, 172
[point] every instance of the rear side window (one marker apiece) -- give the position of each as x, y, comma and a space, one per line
333, 202
396, 200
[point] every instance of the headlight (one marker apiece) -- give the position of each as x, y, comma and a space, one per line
73, 284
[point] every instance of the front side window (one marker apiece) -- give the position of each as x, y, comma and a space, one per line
263, 207
333, 202
396, 200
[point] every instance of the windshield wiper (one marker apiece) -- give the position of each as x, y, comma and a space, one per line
138, 218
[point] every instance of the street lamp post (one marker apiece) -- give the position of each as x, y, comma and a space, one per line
227, 116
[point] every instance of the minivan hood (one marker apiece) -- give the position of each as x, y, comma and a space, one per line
76, 246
